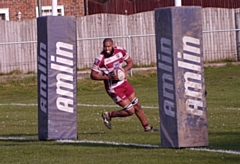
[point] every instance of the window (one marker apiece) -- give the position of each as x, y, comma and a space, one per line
47, 10
4, 14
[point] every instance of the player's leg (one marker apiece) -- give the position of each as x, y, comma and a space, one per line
130, 93
127, 109
139, 111
119, 97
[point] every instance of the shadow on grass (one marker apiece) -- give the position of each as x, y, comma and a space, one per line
224, 140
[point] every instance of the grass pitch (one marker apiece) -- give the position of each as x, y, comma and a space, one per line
126, 142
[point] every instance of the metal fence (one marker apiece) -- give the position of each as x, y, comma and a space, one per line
136, 33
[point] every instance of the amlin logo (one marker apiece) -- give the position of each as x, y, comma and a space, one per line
63, 62
191, 62
42, 67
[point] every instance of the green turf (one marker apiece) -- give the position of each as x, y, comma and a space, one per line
19, 123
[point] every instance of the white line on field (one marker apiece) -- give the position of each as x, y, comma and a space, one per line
146, 145
18, 104
88, 105
103, 105
233, 108
110, 106
17, 139
118, 144
216, 151
108, 143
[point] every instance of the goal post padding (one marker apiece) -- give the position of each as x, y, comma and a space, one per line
57, 78
181, 86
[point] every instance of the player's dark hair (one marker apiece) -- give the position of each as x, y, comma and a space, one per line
107, 40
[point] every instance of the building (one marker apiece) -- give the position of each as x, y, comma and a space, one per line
14, 10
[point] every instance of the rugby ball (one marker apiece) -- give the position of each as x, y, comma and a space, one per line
120, 73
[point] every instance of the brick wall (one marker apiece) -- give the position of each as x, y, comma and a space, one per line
127, 7
28, 7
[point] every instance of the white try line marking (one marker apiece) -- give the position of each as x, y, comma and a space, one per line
118, 144
109, 143
17, 139
216, 151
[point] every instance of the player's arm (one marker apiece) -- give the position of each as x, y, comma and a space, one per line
96, 73
129, 64
97, 76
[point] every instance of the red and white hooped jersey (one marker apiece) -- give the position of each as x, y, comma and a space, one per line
105, 65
